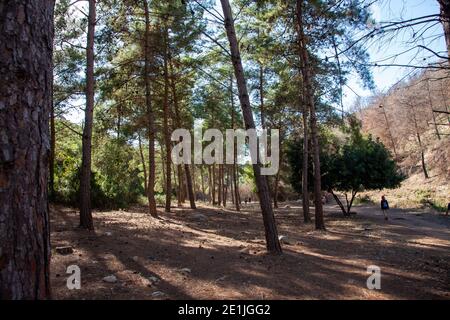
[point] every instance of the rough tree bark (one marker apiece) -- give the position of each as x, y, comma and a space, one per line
271, 232
26, 42
309, 96
150, 117
85, 182
445, 19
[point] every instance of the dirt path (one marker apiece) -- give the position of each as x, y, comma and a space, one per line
223, 255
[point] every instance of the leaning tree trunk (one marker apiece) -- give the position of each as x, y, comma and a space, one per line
272, 242
26, 42
309, 96
85, 182
445, 19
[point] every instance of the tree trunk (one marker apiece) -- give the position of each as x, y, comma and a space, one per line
261, 95
187, 170
309, 96
52, 153
166, 123
213, 184
210, 188
430, 99
190, 188
419, 140
150, 118
339, 202
194, 182
272, 242
277, 178
85, 183
219, 186
224, 187
445, 19
163, 171
180, 186
305, 191
141, 153
203, 183
26, 42
234, 168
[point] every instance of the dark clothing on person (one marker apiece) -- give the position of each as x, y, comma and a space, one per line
384, 205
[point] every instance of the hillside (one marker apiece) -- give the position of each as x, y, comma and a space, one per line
419, 139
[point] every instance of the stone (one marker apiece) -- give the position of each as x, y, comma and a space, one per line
284, 239
110, 279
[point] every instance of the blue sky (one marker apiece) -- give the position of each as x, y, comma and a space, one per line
394, 10
384, 77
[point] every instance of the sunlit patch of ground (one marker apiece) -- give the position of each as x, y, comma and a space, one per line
222, 255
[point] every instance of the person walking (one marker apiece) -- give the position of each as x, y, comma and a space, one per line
384, 207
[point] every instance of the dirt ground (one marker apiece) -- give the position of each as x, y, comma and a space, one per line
220, 254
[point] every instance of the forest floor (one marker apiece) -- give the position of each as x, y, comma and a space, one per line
215, 253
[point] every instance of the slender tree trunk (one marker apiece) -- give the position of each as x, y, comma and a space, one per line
180, 186
277, 179
305, 165
26, 42
230, 175
224, 187
213, 185
261, 95
219, 185
141, 153
203, 182
150, 118
436, 129
194, 183
390, 132
85, 183
166, 123
306, 73
163, 167
190, 188
234, 168
52, 153
210, 188
419, 140
187, 170
272, 242
445, 19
